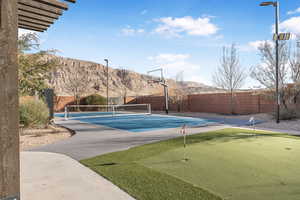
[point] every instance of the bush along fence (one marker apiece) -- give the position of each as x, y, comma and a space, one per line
61, 101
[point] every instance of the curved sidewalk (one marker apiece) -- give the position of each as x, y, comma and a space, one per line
50, 176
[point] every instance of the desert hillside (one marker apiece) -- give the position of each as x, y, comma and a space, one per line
120, 81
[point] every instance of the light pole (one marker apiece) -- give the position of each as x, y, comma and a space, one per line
276, 5
106, 60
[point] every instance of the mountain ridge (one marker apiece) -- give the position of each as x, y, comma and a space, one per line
122, 82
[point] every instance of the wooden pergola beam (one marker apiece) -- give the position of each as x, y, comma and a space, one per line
39, 27
40, 13
35, 16
37, 11
41, 6
34, 21
54, 3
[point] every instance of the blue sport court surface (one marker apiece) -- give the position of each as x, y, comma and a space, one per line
138, 123
142, 123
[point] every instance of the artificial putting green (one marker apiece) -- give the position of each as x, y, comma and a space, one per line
226, 164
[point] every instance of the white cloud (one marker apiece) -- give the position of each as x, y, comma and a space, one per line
177, 63
292, 12
144, 12
167, 58
256, 44
140, 31
291, 25
128, 31
176, 26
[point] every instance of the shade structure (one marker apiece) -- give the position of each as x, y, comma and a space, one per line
39, 15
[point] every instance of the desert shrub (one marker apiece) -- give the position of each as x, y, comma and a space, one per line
95, 99
33, 113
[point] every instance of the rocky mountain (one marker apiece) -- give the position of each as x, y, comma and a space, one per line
90, 78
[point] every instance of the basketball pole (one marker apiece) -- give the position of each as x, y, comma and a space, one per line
162, 82
166, 92
107, 101
166, 98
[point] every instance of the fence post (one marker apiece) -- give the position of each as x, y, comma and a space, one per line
259, 106
49, 97
188, 103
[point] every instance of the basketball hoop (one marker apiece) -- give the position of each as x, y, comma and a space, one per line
149, 81
153, 81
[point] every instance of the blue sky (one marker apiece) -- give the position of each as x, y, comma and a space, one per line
179, 35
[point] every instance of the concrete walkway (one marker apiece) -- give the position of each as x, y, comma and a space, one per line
50, 176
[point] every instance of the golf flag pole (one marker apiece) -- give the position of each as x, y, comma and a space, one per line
252, 122
183, 132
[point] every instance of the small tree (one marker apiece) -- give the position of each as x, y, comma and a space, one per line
294, 64
289, 75
265, 72
77, 80
95, 99
125, 80
229, 75
179, 92
34, 69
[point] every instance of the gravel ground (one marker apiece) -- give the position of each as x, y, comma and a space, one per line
269, 122
30, 138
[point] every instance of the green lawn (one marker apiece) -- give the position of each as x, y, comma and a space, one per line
225, 164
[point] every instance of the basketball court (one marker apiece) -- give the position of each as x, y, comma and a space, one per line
133, 118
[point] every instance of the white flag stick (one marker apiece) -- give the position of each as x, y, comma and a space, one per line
183, 131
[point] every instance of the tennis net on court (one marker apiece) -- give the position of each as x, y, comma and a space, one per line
90, 111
